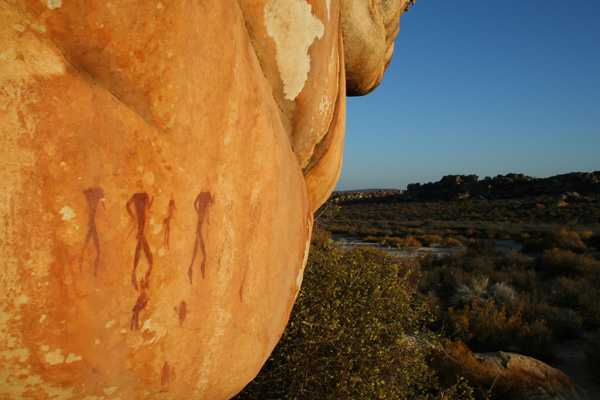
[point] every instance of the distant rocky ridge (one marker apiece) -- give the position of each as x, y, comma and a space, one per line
569, 187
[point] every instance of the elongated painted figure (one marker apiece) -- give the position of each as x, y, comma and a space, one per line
142, 203
93, 196
203, 200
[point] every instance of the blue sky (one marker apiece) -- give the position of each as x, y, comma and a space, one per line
481, 87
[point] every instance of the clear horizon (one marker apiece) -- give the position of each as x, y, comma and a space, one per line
481, 88
479, 177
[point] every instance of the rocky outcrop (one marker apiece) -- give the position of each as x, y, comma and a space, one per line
370, 28
538, 381
161, 162
567, 188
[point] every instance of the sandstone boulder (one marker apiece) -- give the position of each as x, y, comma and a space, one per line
161, 162
538, 380
370, 28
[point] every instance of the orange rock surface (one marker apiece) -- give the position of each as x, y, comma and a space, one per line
161, 162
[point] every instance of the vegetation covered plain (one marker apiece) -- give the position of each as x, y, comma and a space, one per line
368, 325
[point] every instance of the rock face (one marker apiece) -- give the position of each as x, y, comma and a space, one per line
370, 28
539, 380
161, 162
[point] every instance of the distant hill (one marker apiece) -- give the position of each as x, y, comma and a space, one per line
463, 187
366, 191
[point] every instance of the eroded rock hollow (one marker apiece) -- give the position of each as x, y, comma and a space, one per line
160, 166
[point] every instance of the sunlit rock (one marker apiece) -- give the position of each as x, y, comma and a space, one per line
161, 162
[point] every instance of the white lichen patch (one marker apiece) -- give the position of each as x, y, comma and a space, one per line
30, 58
160, 6
72, 357
157, 226
22, 299
110, 323
110, 390
18, 28
54, 4
42, 318
325, 105
12, 352
149, 178
38, 27
67, 213
294, 28
328, 4
55, 357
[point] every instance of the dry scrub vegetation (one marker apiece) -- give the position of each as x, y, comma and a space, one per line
371, 326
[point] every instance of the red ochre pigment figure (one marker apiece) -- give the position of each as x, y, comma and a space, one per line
93, 196
167, 223
140, 304
167, 374
182, 312
201, 204
142, 203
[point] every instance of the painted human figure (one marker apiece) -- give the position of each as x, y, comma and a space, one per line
167, 374
167, 223
142, 203
93, 196
203, 200
140, 305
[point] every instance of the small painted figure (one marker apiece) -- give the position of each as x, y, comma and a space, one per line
182, 312
93, 196
140, 304
203, 200
167, 223
167, 374
142, 203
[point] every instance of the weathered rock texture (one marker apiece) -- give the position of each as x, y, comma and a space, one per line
370, 28
161, 162
538, 380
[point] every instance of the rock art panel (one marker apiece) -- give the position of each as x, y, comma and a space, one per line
93, 196
195, 141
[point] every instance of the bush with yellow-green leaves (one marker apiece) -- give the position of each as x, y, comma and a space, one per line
357, 331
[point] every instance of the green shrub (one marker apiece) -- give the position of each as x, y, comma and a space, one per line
429, 240
565, 324
479, 291
483, 326
450, 242
356, 332
567, 240
566, 263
